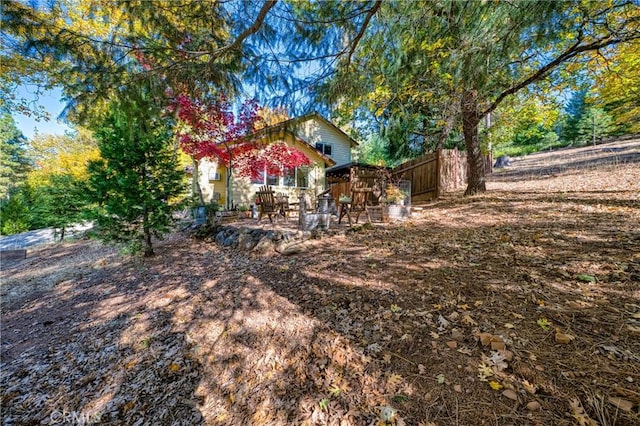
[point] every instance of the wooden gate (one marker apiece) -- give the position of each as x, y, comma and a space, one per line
436, 173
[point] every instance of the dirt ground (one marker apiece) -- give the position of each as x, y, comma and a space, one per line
517, 307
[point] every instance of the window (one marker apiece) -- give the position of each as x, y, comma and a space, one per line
302, 177
289, 178
298, 177
259, 180
272, 180
214, 175
324, 148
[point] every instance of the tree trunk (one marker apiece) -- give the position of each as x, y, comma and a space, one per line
195, 183
146, 230
475, 160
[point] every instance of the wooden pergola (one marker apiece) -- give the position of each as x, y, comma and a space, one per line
339, 180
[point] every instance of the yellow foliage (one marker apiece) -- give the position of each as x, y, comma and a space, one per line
66, 154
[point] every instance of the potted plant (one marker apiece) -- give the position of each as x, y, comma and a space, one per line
244, 211
211, 208
394, 195
395, 199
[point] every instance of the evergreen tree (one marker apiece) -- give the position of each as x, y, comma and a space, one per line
574, 111
61, 202
14, 162
137, 178
594, 125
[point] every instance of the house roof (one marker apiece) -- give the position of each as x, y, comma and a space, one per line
291, 124
344, 170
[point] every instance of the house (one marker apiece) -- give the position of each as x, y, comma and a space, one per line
319, 139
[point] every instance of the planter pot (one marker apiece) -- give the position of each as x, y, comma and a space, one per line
199, 214
397, 212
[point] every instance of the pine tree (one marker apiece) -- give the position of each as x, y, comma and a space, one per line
137, 179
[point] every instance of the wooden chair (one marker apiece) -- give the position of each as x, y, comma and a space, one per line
282, 203
356, 205
268, 204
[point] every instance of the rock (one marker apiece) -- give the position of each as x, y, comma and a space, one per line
220, 237
231, 240
264, 247
502, 162
246, 242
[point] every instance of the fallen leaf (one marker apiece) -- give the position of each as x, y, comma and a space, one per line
394, 379
578, 413
388, 414
452, 344
456, 335
495, 385
484, 371
587, 278
533, 406
532, 389
466, 319
563, 338
457, 388
485, 338
497, 345
440, 378
622, 404
543, 323
507, 354
422, 369
511, 394
509, 325
174, 367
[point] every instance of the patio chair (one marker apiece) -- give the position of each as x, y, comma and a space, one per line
282, 203
356, 205
267, 203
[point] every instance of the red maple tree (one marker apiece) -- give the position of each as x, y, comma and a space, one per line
210, 130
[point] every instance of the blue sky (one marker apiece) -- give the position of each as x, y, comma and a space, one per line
50, 101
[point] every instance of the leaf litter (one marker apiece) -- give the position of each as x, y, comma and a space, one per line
205, 335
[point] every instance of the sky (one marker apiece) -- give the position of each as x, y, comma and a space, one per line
50, 101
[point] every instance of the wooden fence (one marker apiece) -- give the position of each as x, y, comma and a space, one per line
436, 173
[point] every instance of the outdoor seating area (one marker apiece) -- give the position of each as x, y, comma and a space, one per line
368, 201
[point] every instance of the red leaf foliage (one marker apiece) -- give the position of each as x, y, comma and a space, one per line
210, 130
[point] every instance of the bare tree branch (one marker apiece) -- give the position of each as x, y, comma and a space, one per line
570, 53
266, 7
363, 28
